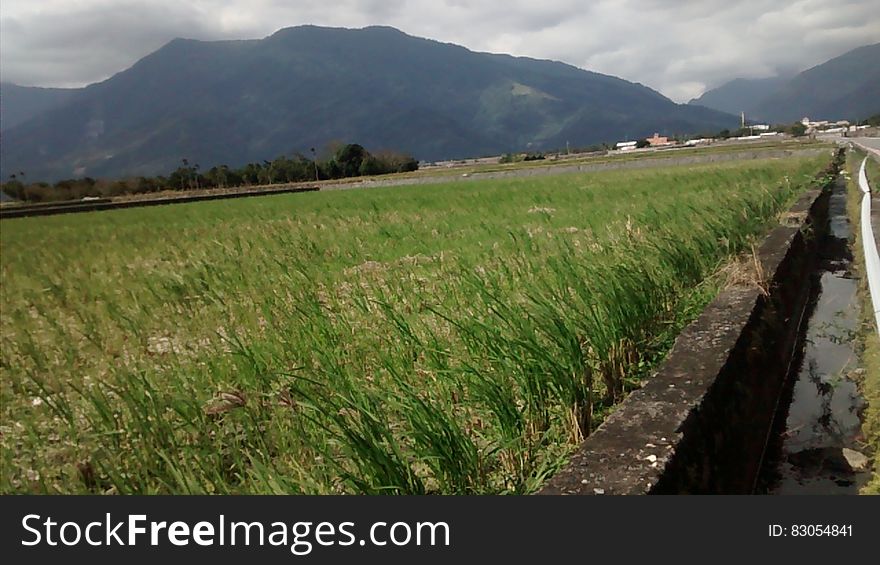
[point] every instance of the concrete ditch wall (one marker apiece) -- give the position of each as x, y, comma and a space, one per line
700, 425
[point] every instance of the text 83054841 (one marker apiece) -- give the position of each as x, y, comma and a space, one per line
810, 530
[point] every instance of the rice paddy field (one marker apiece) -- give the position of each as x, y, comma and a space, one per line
454, 338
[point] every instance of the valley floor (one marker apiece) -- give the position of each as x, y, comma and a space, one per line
451, 338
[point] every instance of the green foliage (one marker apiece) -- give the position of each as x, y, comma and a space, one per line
521, 157
871, 121
797, 129
370, 166
348, 161
14, 188
457, 338
183, 178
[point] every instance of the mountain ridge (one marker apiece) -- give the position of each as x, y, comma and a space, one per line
29, 101
738, 95
238, 101
845, 86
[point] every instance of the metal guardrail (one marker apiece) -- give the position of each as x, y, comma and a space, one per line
869, 245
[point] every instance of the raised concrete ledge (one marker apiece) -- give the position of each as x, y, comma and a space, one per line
75, 206
701, 423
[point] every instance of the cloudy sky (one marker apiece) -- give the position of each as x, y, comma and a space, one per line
680, 48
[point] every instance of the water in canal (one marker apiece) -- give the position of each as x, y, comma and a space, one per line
816, 444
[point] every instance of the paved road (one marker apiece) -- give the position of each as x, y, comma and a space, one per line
870, 144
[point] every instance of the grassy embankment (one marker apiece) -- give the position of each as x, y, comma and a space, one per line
869, 380
455, 338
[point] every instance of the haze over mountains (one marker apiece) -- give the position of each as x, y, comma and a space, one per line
18, 104
234, 102
846, 87
739, 94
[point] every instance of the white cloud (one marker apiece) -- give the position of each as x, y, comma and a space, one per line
678, 48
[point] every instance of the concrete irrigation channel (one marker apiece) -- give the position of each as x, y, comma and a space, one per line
737, 407
813, 447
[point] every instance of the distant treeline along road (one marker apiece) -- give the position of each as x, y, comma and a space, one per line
350, 160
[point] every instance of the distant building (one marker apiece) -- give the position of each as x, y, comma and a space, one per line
625, 145
825, 126
760, 127
658, 140
808, 123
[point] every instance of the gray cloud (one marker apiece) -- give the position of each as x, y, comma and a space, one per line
679, 48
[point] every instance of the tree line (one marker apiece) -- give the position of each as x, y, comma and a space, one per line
349, 160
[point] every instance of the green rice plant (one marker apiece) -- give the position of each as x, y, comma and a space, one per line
459, 338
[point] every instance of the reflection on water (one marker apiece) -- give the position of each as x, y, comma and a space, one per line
825, 404
822, 424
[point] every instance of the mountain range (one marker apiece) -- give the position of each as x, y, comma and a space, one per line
234, 102
845, 87
18, 104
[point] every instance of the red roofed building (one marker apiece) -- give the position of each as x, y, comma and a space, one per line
658, 141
